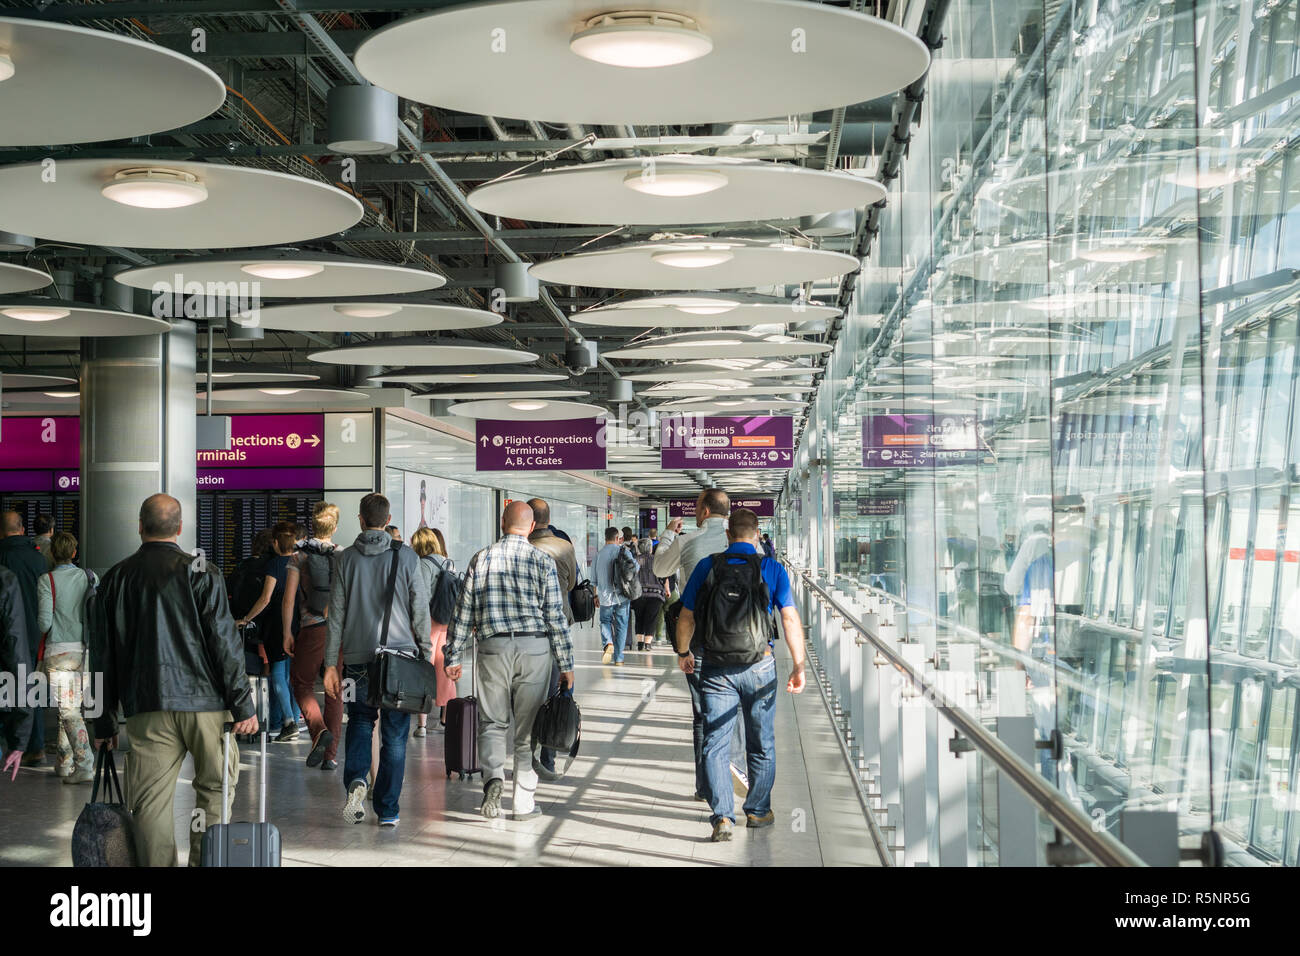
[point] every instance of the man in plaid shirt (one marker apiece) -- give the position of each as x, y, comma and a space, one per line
512, 606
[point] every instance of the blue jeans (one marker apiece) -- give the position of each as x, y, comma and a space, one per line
394, 727
728, 692
613, 626
284, 708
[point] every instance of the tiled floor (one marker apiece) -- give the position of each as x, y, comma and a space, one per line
626, 800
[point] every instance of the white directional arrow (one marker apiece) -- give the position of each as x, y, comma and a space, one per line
314, 440
785, 456
484, 440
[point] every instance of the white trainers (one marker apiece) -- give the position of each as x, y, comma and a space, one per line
354, 811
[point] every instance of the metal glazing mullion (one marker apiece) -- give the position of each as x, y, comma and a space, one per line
1284, 501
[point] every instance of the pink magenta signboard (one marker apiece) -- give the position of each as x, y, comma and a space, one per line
259, 479
575, 445
34, 442
696, 441
270, 441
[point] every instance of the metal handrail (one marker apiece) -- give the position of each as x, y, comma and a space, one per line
1099, 846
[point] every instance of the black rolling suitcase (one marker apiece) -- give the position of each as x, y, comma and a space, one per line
460, 743
242, 846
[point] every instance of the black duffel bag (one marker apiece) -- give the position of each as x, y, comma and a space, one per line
558, 726
104, 834
399, 679
582, 599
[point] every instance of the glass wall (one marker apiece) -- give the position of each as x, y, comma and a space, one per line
1060, 424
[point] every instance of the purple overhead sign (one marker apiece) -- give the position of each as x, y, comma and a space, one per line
573, 445
685, 507
694, 441
919, 440
40, 442
270, 441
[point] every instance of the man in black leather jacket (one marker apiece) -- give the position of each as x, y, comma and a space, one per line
166, 644
15, 658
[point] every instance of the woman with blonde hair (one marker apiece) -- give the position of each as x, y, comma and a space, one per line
431, 546
307, 582
60, 615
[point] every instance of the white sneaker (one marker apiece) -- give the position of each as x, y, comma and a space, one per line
354, 811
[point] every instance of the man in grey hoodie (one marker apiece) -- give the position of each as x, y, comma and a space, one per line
359, 598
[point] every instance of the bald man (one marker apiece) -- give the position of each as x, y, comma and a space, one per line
18, 553
513, 608
165, 641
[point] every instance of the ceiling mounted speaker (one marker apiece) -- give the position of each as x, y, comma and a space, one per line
515, 282
69, 84
652, 62
620, 392
244, 333
362, 119
580, 356
674, 190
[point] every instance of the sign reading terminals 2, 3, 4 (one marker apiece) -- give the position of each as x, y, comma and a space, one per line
573, 445
694, 441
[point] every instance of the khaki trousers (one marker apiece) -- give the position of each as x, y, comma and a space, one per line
159, 742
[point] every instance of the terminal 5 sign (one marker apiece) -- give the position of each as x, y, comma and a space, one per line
696, 441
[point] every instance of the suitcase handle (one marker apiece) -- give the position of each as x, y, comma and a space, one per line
228, 728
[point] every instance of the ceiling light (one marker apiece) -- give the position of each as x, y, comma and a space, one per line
638, 40
150, 188
35, 313
674, 183
719, 309
528, 406
6, 67
62, 394
283, 269
701, 258
279, 391
367, 311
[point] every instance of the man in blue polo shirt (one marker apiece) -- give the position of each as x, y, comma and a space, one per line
730, 688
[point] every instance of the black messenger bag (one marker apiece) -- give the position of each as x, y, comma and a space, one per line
398, 679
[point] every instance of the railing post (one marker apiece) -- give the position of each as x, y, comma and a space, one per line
955, 758
1017, 815
912, 752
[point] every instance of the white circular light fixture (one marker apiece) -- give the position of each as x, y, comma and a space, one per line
511, 410
526, 406
279, 391
35, 313
367, 311
421, 350
283, 270
640, 40
675, 183
62, 394
703, 258
6, 67
149, 187
452, 375
16, 278
704, 311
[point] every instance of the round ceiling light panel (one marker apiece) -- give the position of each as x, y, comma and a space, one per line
243, 373
16, 278
376, 316
288, 394
419, 350
708, 369
695, 264
454, 375
470, 391
729, 344
54, 318
709, 390
674, 190
281, 273
69, 84
703, 310
731, 406
238, 205
651, 62
527, 409
53, 383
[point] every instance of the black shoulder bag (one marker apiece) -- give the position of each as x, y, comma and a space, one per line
398, 679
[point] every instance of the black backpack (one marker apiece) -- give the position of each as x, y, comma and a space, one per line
317, 575
735, 620
627, 575
582, 599
244, 586
446, 590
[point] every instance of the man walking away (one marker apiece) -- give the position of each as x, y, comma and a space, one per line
544, 539
513, 607
678, 554
359, 600
165, 641
19, 555
734, 594
44, 528
614, 607
15, 721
